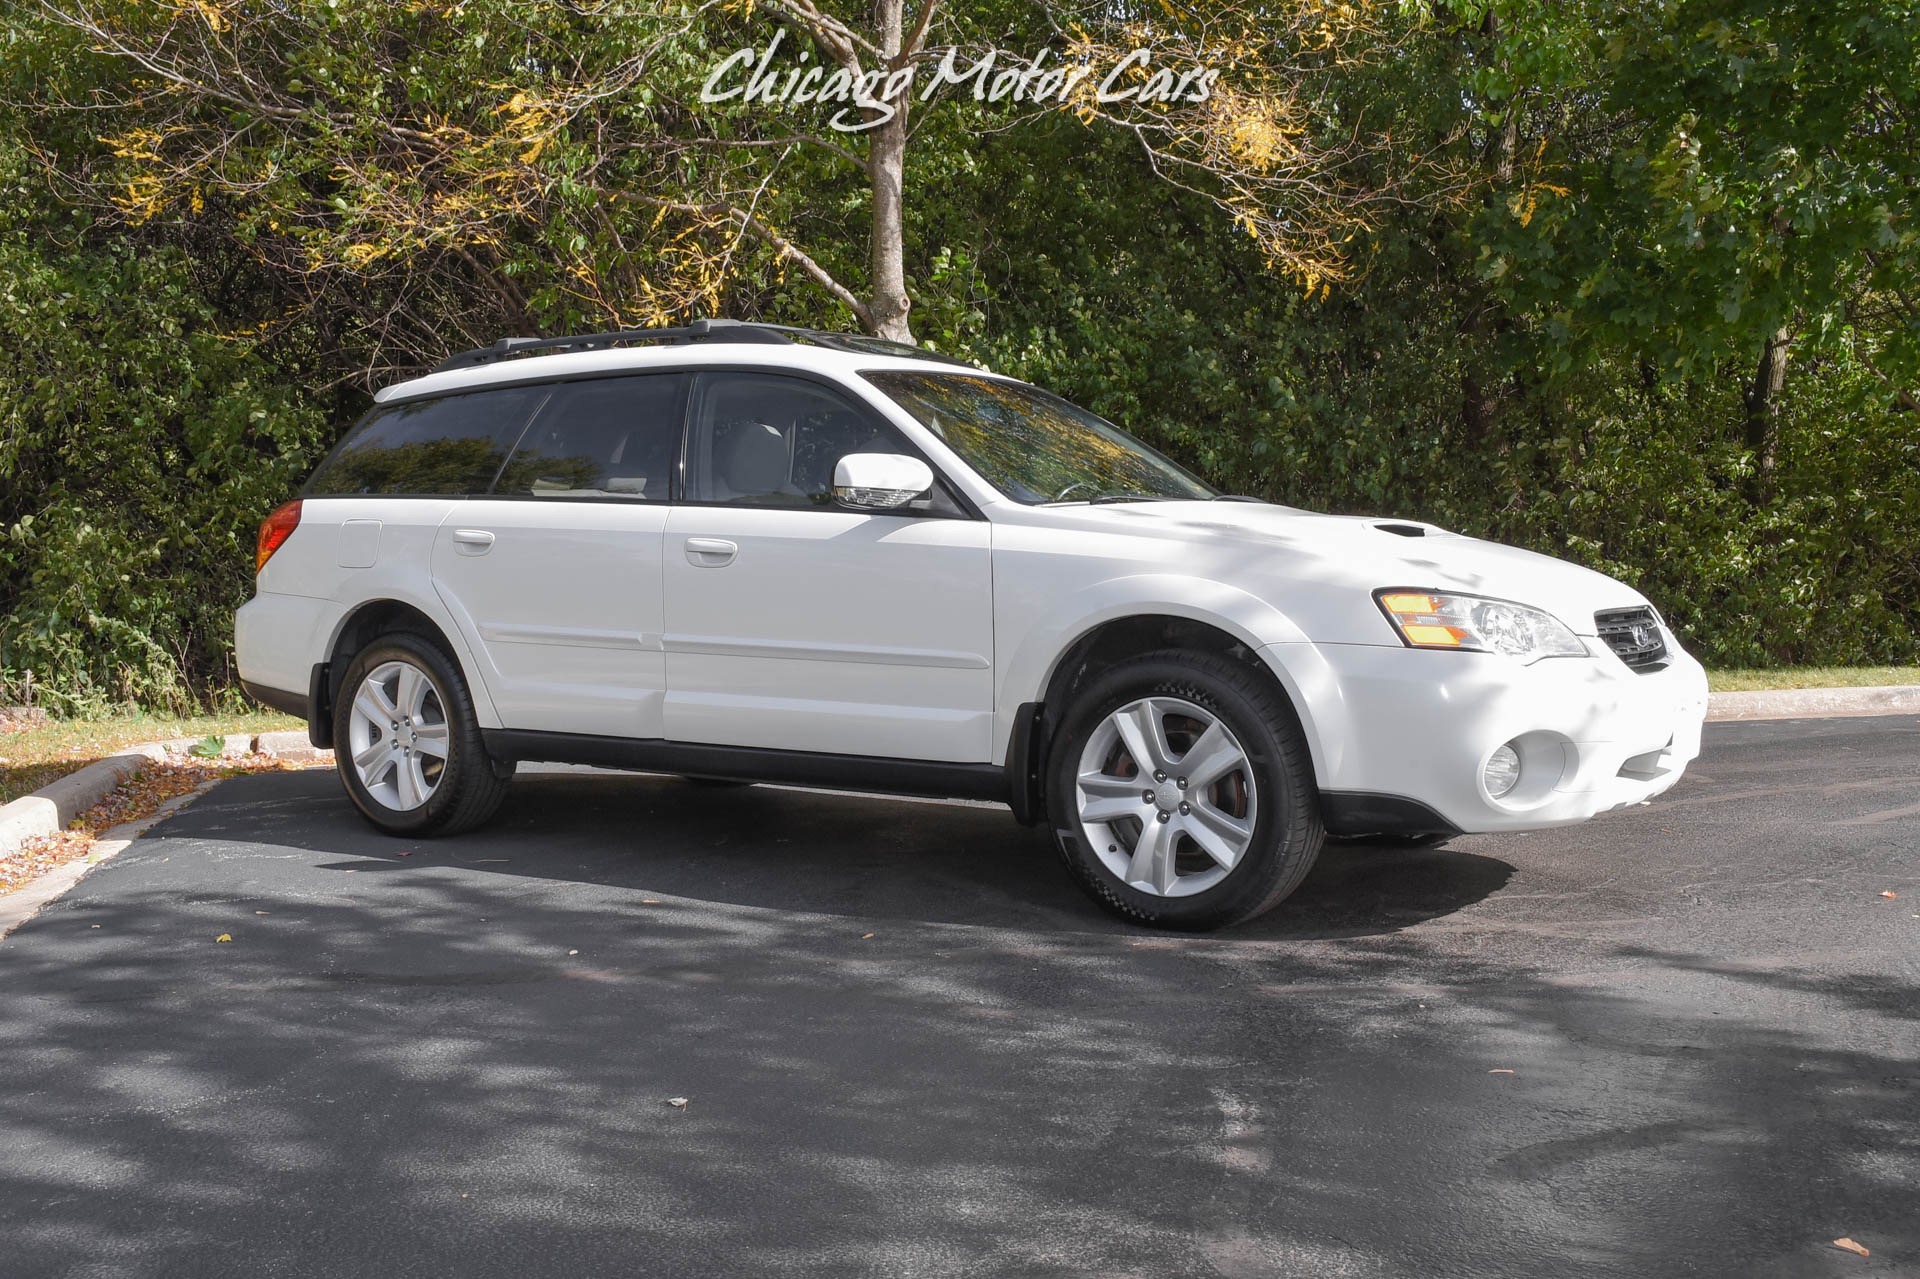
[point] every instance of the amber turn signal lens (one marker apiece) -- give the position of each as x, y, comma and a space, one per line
1409, 604
274, 531
1433, 636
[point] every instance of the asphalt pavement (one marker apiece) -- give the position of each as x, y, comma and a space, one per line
1677, 1040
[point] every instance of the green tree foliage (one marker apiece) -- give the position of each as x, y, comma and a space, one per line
1654, 308
139, 446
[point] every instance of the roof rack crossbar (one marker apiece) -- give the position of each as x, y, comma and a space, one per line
698, 331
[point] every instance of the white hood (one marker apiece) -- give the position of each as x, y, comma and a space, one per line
1277, 551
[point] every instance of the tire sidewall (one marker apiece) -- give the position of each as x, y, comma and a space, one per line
462, 734
1249, 887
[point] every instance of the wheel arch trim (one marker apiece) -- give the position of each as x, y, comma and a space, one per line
1046, 642
440, 618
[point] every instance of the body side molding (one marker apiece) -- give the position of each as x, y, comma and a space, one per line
930, 778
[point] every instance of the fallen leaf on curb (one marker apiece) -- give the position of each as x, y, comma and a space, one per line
1844, 1242
1500, 1070
573, 952
408, 853
137, 797
649, 901
864, 936
224, 937
1889, 894
678, 1103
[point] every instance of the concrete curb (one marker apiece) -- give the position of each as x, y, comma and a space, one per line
1811, 703
49, 809
292, 745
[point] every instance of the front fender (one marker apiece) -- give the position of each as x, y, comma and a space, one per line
1035, 644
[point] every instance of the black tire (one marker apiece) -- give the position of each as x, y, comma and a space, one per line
1287, 832
469, 786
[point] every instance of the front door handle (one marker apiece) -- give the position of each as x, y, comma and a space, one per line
710, 552
472, 541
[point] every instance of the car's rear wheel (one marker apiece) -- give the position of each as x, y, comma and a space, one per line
407, 744
1181, 792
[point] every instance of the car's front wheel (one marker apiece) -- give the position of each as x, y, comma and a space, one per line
1181, 793
407, 743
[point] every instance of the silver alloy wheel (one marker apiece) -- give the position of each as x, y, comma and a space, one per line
397, 735
1166, 796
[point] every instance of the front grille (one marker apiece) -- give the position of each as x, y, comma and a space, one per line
1635, 637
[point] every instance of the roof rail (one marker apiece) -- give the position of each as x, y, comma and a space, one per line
698, 331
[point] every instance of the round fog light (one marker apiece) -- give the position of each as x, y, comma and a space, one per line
1502, 771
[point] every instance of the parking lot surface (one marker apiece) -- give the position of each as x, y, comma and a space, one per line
1682, 1039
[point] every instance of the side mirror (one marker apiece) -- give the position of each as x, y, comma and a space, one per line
879, 481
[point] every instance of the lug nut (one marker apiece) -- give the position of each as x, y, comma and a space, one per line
1185, 809
1147, 795
1165, 816
1182, 783
1159, 776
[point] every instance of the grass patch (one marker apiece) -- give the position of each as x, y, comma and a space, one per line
33, 755
1737, 681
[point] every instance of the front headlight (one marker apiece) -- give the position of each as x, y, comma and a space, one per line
1472, 624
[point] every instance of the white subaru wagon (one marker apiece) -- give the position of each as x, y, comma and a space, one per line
747, 553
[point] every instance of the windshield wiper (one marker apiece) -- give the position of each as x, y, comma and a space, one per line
1107, 499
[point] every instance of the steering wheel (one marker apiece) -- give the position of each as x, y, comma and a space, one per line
1061, 496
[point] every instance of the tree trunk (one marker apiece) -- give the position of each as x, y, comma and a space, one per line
1763, 413
1480, 398
1507, 146
886, 170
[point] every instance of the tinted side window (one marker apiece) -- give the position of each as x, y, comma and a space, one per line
446, 447
612, 437
766, 440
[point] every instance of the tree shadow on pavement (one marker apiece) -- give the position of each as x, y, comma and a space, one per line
451, 1073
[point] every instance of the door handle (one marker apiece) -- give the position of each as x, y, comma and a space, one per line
710, 552
472, 541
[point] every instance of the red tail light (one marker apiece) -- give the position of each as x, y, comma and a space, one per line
274, 531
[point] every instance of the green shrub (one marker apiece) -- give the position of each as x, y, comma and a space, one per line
139, 447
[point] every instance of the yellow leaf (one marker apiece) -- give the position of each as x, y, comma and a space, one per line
224, 937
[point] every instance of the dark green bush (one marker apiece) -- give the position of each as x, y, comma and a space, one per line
139, 447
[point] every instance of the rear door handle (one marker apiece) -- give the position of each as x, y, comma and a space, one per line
472, 541
710, 552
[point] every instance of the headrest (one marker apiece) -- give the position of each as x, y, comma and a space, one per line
756, 459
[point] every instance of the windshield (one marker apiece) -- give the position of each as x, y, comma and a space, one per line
1033, 446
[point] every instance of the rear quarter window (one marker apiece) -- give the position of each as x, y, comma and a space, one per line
449, 447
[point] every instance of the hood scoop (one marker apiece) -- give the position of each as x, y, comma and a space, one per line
1402, 530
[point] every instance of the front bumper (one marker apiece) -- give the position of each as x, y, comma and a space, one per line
1592, 734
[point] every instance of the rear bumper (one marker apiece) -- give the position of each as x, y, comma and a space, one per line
278, 638
280, 643
1414, 725
279, 699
